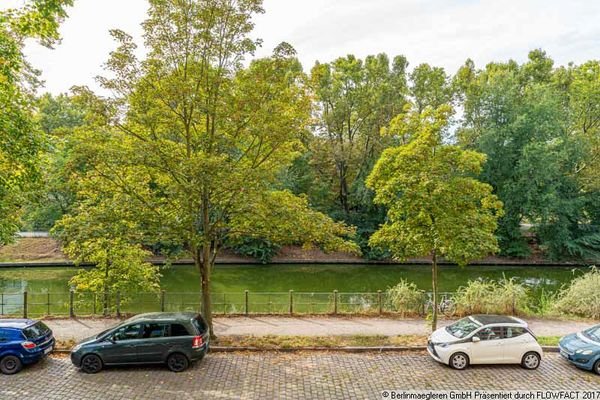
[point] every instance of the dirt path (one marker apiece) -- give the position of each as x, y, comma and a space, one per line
65, 329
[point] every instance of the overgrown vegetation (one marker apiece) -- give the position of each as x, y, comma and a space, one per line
582, 296
406, 298
490, 297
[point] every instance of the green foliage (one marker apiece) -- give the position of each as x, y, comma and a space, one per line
545, 304
581, 297
354, 100
20, 140
490, 297
434, 203
539, 131
430, 87
260, 249
59, 115
191, 148
102, 231
119, 267
406, 298
286, 219
54, 194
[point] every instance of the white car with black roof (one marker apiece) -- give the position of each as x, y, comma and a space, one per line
485, 339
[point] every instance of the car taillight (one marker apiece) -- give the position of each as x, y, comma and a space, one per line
198, 342
28, 345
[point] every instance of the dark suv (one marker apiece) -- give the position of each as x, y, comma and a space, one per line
175, 339
22, 342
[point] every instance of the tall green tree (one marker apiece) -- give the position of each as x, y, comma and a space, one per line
54, 194
536, 127
429, 87
436, 206
19, 136
103, 231
583, 88
194, 142
354, 99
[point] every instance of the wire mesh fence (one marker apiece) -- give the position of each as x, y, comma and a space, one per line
72, 304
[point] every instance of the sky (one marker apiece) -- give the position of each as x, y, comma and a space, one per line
440, 32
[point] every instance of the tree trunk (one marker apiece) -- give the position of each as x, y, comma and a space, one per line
344, 188
434, 287
204, 264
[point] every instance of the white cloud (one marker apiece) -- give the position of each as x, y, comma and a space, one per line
440, 32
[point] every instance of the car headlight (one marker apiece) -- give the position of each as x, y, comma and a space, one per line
442, 345
584, 352
74, 349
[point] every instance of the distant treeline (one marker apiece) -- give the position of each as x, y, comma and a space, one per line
538, 125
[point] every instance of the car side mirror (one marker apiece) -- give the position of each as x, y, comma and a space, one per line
476, 339
110, 339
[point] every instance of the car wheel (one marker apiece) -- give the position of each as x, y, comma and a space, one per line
91, 364
177, 362
597, 367
10, 365
459, 361
531, 360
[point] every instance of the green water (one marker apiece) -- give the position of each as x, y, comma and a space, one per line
302, 278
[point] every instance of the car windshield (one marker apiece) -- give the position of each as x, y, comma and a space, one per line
593, 333
462, 328
36, 330
103, 333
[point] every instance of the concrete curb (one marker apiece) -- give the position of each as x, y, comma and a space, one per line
222, 349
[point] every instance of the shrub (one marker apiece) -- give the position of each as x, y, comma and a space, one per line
260, 249
406, 298
582, 296
546, 303
490, 297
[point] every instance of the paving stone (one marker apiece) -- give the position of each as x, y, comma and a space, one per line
270, 375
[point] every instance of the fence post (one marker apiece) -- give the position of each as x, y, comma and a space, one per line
380, 302
94, 310
162, 301
48, 305
118, 304
25, 304
291, 302
71, 305
2, 304
246, 302
335, 302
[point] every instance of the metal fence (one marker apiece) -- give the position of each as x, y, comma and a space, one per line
72, 304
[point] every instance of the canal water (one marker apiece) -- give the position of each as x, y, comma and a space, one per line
304, 278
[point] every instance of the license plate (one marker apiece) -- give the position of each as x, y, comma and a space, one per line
48, 350
564, 354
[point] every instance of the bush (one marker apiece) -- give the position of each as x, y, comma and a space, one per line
260, 249
406, 298
489, 297
582, 296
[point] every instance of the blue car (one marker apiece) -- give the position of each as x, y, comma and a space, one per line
22, 342
583, 349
